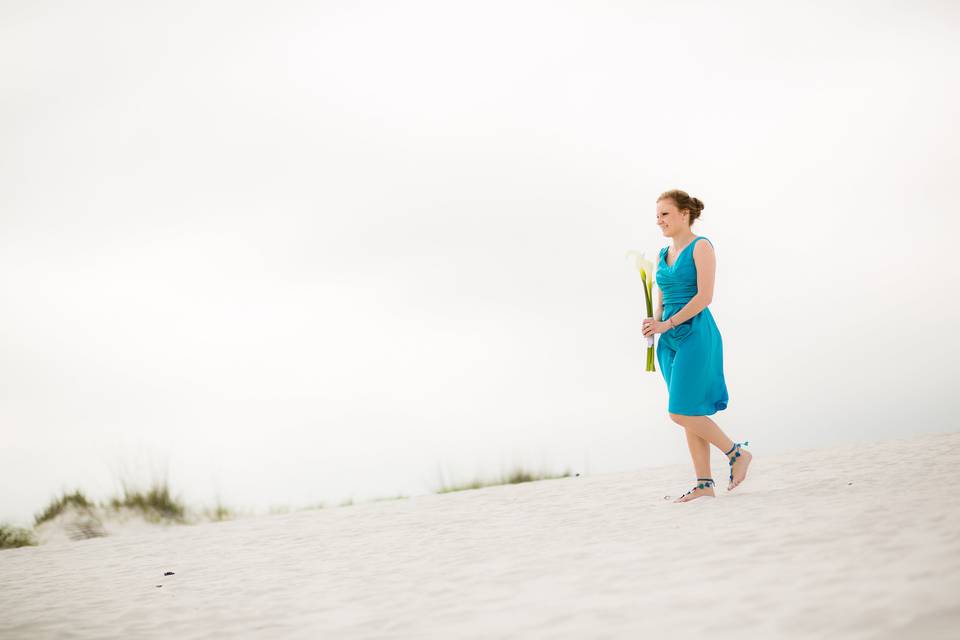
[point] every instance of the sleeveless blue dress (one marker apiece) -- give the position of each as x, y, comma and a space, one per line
691, 354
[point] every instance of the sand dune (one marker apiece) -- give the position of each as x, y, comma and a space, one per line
848, 542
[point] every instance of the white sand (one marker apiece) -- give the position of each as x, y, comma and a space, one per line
797, 551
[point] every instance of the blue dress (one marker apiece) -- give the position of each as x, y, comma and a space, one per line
690, 354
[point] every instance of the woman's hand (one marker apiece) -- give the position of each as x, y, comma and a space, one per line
651, 326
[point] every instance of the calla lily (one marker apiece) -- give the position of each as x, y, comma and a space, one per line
645, 267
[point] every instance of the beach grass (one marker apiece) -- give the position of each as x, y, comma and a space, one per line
12, 537
219, 512
514, 476
155, 504
58, 505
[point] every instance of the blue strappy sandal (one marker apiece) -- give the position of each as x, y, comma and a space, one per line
702, 483
736, 447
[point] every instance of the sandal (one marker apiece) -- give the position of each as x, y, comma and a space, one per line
702, 483
735, 447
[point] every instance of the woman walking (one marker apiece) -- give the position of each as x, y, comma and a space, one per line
690, 350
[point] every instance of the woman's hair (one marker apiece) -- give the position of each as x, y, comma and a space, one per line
683, 200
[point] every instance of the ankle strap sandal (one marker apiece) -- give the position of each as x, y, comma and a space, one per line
702, 483
733, 458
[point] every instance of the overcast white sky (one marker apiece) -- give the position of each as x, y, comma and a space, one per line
292, 252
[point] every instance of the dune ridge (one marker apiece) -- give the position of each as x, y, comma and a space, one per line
855, 541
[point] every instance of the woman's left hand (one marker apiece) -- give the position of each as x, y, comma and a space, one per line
651, 326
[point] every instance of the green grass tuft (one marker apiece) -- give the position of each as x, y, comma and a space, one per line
57, 506
12, 537
220, 512
156, 504
513, 477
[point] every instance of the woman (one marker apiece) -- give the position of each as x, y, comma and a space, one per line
690, 351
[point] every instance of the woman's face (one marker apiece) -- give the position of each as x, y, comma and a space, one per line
669, 219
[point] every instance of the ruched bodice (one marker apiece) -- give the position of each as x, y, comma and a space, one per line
690, 353
678, 282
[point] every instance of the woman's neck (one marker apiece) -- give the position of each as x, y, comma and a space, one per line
679, 243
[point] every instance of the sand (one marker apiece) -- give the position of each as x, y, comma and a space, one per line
854, 541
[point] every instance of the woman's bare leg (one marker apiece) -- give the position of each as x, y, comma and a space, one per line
700, 452
708, 430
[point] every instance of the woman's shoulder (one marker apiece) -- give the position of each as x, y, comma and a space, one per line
704, 238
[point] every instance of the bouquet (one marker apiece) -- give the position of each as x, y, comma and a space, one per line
645, 267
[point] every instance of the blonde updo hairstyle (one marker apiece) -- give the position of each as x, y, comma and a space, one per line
684, 201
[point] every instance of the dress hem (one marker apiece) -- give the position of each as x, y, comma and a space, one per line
718, 408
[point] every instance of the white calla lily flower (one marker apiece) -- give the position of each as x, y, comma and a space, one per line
647, 275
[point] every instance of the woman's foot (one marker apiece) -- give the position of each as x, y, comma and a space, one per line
704, 488
739, 461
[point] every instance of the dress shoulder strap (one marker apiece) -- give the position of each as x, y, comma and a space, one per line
702, 238
692, 246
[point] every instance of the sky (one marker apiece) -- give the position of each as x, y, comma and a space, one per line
296, 252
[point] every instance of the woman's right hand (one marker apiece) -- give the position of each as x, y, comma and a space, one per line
651, 326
